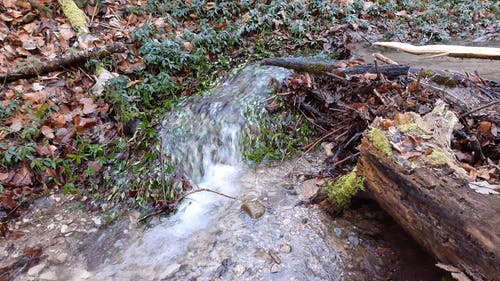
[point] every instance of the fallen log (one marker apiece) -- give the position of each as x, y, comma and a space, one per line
432, 201
64, 61
445, 50
320, 66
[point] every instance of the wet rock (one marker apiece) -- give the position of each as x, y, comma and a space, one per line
64, 229
353, 239
239, 270
169, 270
285, 248
48, 275
253, 208
308, 188
275, 257
44, 202
97, 221
62, 257
83, 274
338, 232
35, 270
275, 268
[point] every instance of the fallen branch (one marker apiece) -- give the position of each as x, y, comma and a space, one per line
317, 66
64, 61
445, 50
170, 206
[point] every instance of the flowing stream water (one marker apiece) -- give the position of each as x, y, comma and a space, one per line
211, 238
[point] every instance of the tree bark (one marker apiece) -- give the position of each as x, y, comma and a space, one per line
320, 66
64, 61
457, 225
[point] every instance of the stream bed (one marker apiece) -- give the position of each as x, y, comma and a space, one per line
211, 238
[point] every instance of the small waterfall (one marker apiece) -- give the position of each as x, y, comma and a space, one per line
206, 131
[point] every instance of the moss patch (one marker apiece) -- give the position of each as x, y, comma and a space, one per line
438, 157
344, 188
380, 141
413, 129
75, 15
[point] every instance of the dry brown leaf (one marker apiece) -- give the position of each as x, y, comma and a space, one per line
66, 32
4, 176
9, 3
88, 105
58, 120
38, 97
209, 5
188, 46
48, 132
22, 177
17, 124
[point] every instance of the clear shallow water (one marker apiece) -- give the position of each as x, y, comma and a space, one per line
210, 238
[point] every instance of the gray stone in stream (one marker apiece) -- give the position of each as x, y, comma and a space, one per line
253, 208
353, 238
308, 188
169, 270
285, 248
35, 270
338, 232
238, 270
48, 275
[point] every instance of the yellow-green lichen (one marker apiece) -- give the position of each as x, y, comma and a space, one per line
75, 15
438, 157
380, 141
344, 188
413, 129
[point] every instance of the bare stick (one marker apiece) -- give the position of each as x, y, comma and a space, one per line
480, 108
310, 147
207, 190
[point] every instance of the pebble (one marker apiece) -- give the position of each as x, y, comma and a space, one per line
62, 257
97, 221
275, 257
169, 270
285, 248
48, 275
238, 270
308, 188
64, 228
51, 226
58, 217
275, 268
337, 231
353, 239
253, 208
35, 270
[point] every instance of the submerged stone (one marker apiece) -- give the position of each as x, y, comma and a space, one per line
253, 208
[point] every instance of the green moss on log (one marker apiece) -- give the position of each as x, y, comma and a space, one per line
380, 141
344, 188
75, 15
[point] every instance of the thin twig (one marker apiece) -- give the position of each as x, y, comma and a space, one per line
480, 108
346, 158
207, 190
310, 147
163, 210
